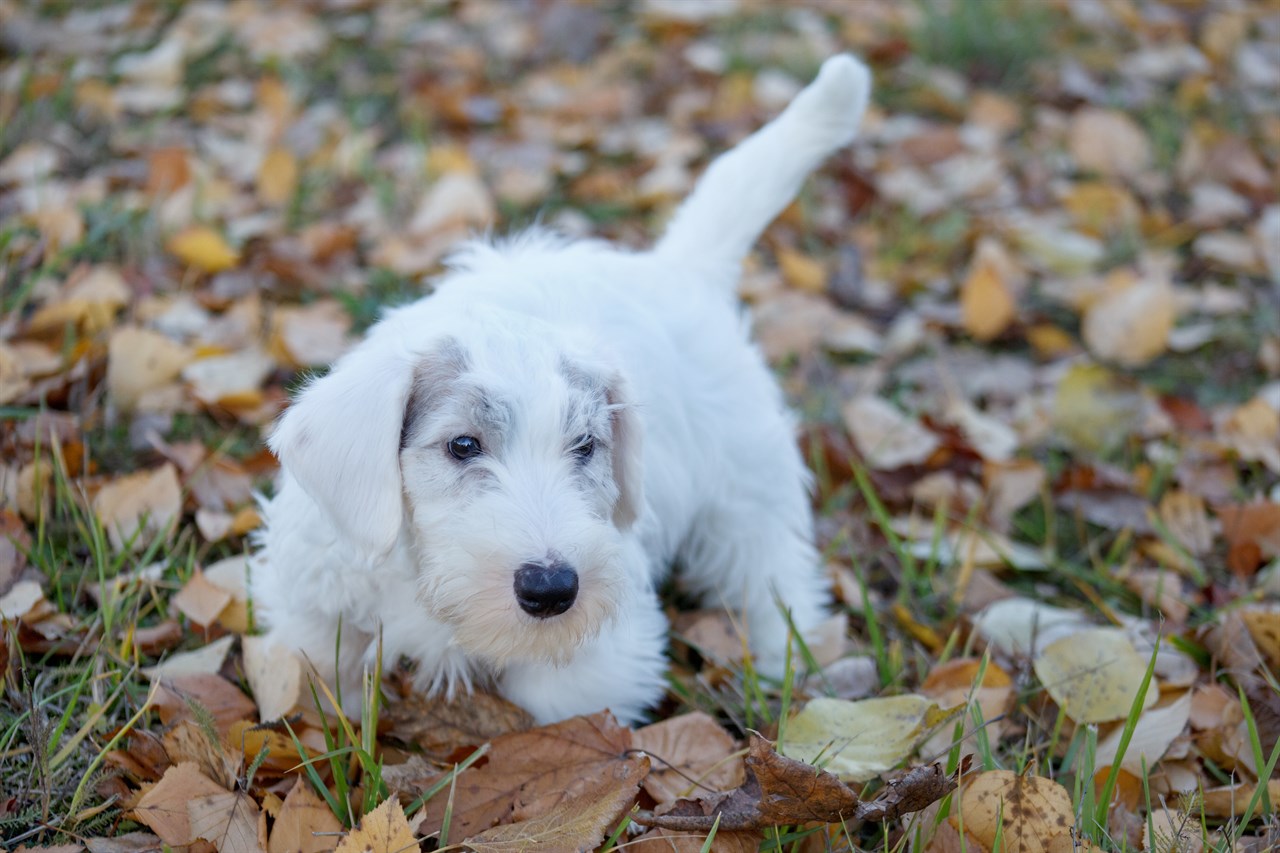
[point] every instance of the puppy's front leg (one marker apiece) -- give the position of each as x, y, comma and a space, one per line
622, 669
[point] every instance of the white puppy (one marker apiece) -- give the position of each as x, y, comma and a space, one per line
497, 477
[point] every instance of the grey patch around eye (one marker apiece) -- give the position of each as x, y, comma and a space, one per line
433, 386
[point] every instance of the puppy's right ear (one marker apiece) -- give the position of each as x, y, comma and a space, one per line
341, 441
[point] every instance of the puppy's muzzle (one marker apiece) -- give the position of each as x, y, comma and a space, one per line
544, 591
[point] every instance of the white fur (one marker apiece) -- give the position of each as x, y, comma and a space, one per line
529, 344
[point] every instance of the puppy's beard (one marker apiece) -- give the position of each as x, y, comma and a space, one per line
469, 586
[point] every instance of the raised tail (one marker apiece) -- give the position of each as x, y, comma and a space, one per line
745, 188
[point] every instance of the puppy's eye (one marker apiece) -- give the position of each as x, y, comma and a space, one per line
465, 447
584, 447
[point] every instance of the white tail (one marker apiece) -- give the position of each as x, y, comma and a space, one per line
745, 188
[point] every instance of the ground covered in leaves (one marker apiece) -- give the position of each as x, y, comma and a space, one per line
1031, 321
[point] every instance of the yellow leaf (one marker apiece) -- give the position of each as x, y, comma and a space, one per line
203, 248
1094, 675
1130, 322
858, 741
383, 830
802, 272
986, 306
141, 360
1093, 409
1028, 812
227, 819
278, 176
1100, 208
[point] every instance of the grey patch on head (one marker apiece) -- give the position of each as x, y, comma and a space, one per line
432, 379
585, 406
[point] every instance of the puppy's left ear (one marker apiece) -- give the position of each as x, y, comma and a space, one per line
626, 437
341, 441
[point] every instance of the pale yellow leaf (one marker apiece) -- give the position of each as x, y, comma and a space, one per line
1131, 320
139, 507
140, 360
1094, 675
1030, 813
274, 674
858, 741
305, 824
987, 308
1155, 731
383, 830
278, 176
802, 272
203, 248
886, 437
228, 820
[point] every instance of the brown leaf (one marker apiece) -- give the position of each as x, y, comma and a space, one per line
780, 790
383, 830
304, 825
1252, 532
163, 808
226, 702
1029, 811
574, 824
440, 725
201, 601
227, 819
692, 754
138, 507
530, 773
187, 742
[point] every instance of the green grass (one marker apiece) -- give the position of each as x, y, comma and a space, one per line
992, 42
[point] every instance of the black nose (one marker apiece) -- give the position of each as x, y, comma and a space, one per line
546, 591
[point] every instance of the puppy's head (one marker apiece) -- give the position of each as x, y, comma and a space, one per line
507, 457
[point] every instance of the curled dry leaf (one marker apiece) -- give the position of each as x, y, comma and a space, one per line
439, 725
573, 824
1094, 675
780, 791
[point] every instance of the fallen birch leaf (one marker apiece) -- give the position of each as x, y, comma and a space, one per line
163, 808
305, 824
857, 741
779, 791
439, 725
1108, 142
227, 819
275, 675
383, 830
692, 754
886, 437
1029, 812
1094, 675
206, 660
201, 601
1155, 731
277, 176
574, 824
204, 249
1130, 322
1230, 801
141, 360
139, 507
986, 305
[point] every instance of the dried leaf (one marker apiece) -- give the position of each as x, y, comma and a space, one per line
886, 437
1029, 812
204, 249
987, 307
275, 675
1094, 675
227, 819
304, 825
440, 725
528, 774
140, 360
692, 754
575, 824
1108, 142
1156, 730
1130, 322
139, 507
857, 741
278, 176
383, 830
163, 808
